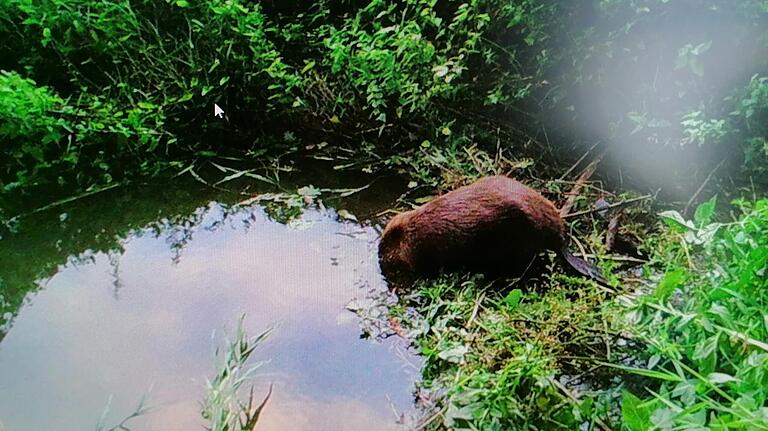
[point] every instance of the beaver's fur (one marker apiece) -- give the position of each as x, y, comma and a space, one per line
495, 225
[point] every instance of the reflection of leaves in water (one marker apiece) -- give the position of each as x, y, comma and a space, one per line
373, 302
85, 258
114, 262
282, 207
178, 231
42, 244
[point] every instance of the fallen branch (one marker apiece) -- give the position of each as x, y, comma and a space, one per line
608, 207
578, 162
617, 258
68, 200
585, 175
701, 187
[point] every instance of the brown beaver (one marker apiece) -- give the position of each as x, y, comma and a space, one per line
494, 225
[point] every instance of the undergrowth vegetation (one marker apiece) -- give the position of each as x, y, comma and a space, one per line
686, 350
501, 360
705, 325
95, 92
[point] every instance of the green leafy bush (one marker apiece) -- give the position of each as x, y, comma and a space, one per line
751, 115
47, 138
705, 325
395, 74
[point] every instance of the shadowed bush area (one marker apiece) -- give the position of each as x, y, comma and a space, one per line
109, 90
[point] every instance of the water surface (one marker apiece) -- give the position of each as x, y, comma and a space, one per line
138, 308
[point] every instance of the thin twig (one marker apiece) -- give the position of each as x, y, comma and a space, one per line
701, 187
609, 207
578, 162
580, 246
585, 175
475, 310
617, 258
68, 200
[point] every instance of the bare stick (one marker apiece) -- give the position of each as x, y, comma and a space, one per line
588, 171
616, 258
578, 162
701, 187
612, 232
475, 310
70, 199
608, 207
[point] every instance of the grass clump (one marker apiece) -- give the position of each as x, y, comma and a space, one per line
705, 325
690, 352
223, 407
499, 358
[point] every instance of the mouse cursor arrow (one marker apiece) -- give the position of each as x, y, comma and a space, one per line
217, 111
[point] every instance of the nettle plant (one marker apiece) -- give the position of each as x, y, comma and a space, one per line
401, 57
46, 137
400, 61
705, 325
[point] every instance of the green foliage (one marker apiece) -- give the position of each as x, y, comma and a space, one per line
135, 76
657, 80
705, 324
223, 408
46, 137
697, 130
506, 361
380, 79
750, 115
385, 66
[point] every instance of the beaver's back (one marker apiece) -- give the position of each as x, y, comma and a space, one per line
496, 224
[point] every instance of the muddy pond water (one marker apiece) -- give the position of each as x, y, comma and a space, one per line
129, 290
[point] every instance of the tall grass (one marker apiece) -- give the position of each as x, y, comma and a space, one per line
223, 406
706, 325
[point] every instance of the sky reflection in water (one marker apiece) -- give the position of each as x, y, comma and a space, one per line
118, 324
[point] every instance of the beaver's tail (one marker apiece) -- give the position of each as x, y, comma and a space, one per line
583, 267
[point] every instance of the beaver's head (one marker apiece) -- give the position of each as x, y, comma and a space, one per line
394, 247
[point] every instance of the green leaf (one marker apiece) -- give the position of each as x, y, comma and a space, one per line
671, 281
46, 36
147, 105
455, 354
705, 211
309, 65
636, 414
661, 375
720, 378
674, 219
512, 300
